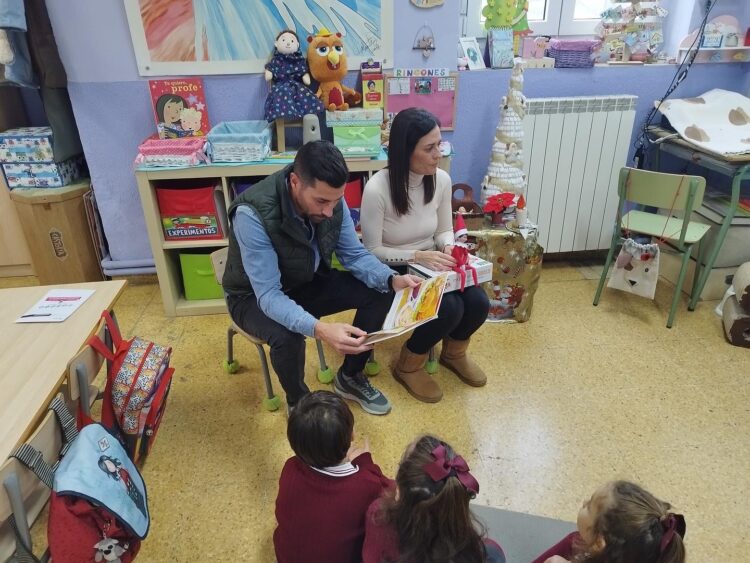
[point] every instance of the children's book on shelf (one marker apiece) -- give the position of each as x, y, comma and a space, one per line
179, 107
411, 307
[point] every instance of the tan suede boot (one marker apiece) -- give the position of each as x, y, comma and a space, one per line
409, 372
453, 356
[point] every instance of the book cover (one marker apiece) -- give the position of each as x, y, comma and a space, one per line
501, 47
179, 107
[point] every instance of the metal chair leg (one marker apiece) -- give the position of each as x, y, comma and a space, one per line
230, 364
696, 276
272, 401
678, 288
13, 490
431, 366
372, 367
610, 255
325, 375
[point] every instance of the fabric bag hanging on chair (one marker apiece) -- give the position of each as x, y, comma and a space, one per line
636, 269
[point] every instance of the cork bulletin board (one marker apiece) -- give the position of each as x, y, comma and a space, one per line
433, 89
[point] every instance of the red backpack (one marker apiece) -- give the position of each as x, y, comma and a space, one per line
138, 382
98, 507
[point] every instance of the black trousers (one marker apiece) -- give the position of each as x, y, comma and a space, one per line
460, 315
328, 293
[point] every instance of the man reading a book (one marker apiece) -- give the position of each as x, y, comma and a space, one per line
279, 278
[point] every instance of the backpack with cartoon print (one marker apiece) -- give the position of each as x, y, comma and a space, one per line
138, 382
98, 507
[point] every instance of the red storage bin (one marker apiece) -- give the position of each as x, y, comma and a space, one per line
189, 213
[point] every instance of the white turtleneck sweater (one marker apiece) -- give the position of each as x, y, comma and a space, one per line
393, 238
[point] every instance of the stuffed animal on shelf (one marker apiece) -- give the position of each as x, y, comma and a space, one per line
327, 60
289, 98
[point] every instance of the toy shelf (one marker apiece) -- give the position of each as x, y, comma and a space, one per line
167, 253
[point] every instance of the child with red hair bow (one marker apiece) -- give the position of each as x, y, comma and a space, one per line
427, 517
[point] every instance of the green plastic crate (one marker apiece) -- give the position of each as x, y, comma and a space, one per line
198, 277
357, 140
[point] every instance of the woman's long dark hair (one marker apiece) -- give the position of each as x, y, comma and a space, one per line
432, 518
408, 127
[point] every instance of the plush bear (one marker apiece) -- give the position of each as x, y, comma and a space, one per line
327, 61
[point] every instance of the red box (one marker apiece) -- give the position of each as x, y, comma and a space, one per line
189, 213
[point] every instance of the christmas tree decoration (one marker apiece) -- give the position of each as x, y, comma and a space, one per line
505, 170
511, 14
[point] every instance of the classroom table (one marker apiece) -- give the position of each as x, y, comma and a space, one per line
736, 167
34, 356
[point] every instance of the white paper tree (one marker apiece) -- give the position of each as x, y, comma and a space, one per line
505, 171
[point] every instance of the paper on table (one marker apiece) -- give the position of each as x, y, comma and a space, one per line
56, 306
411, 307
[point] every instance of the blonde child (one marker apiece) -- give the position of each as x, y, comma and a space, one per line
427, 517
622, 523
325, 489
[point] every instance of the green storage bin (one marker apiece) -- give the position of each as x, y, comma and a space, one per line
198, 277
357, 140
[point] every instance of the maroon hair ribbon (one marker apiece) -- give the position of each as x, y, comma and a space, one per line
671, 524
443, 467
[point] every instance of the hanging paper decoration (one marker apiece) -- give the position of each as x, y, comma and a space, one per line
424, 41
636, 269
427, 3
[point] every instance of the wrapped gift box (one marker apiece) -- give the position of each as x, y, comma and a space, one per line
483, 268
26, 144
355, 116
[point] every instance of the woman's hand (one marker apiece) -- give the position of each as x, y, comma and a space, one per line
434, 260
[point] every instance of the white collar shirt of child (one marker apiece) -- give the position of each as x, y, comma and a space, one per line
343, 470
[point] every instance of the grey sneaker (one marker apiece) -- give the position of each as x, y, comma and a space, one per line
359, 389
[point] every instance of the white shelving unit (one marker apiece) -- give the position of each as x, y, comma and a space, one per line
166, 253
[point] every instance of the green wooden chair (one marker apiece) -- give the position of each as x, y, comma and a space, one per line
676, 196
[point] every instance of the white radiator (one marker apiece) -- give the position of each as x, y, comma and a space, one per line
573, 149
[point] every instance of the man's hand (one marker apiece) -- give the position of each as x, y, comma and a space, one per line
401, 282
434, 260
342, 337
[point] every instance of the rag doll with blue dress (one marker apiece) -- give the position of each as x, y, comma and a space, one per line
290, 97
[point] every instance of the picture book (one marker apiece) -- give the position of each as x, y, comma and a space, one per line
179, 107
411, 307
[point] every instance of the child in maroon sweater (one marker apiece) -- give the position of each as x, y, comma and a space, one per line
325, 489
622, 523
427, 518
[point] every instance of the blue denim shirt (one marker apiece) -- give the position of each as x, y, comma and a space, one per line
262, 266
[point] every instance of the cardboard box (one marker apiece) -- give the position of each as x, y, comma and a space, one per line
56, 228
26, 144
44, 174
483, 268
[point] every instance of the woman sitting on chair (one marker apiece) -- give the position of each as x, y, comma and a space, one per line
406, 217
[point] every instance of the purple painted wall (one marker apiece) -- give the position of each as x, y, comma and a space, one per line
112, 104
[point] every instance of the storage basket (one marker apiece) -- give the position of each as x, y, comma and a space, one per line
570, 53
185, 151
239, 141
198, 277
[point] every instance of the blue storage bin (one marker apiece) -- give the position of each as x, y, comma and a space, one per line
240, 141
26, 144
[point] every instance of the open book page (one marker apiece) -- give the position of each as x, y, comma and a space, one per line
56, 306
411, 307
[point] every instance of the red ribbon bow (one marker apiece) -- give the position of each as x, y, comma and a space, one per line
443, 468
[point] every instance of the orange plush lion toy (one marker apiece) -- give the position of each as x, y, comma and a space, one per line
327, 62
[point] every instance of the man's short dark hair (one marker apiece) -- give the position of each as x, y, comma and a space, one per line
320, 429
321, 160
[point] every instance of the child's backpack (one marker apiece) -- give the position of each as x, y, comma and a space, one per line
98, 508
135, 395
